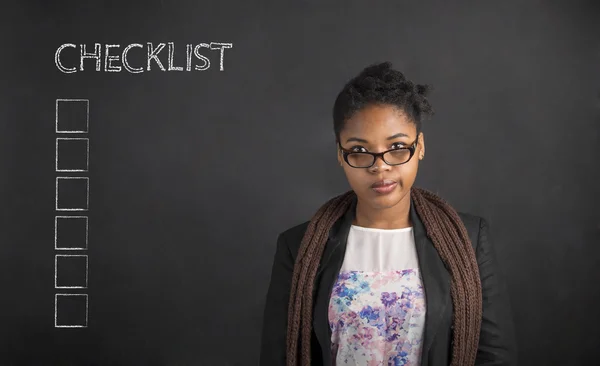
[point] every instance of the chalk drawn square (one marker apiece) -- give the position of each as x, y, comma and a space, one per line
70, 271
72, 115
70, 310
71, 233
72, 193
72, 154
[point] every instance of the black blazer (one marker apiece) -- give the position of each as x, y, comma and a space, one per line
497, 344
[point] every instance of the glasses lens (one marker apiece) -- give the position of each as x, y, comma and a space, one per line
360, 160
399, 156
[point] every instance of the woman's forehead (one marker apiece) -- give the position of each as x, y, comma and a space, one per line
379, 122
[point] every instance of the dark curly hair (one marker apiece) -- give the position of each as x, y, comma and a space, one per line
381, 84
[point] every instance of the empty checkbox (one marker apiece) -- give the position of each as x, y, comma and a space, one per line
70, 310
71, 232
72, 193
72, 115
72, 154
70, 271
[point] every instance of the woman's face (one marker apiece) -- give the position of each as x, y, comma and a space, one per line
371, 129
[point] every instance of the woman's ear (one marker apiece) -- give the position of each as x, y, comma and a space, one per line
422, 146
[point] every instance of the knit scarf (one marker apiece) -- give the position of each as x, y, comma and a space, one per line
450, 238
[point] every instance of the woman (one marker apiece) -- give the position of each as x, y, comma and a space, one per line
386, 273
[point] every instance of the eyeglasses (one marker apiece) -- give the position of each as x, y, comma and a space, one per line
390, 157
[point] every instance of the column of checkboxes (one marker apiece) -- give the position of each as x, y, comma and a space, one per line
71, 224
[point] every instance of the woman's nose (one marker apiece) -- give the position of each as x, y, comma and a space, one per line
380, 164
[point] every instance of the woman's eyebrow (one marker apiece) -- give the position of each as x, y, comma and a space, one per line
400, 134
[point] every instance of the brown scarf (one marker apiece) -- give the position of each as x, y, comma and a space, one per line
449, 236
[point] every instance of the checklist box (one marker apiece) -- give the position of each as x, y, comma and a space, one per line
72, 115
72, 193
70, 271
71, 233
70, 310
72, 154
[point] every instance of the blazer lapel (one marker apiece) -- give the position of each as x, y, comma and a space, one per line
331, 262
436, 280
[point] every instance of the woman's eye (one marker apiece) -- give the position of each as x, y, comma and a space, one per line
357, 148
397, 145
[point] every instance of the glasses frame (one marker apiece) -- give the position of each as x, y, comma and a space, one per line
346, 152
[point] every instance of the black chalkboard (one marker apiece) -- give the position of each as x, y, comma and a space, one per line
150, 153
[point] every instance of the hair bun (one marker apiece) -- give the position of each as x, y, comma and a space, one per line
423, 89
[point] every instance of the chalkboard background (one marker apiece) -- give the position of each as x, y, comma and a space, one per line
192, 174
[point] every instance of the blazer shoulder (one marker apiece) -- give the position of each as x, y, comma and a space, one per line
472, 223
470, 220
293, 237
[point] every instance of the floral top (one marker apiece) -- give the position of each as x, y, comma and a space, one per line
377, 305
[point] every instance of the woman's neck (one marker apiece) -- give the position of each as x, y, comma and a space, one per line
395, 217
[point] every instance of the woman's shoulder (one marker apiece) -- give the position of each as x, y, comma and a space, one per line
470, 220
292, 236
473, 224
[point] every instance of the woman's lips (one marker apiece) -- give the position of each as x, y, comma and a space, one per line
384, 187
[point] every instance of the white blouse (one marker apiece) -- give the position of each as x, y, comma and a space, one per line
377, 305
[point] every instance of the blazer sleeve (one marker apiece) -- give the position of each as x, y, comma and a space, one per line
497, 341
274, 328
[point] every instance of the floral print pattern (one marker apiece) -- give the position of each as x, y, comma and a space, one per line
377, 318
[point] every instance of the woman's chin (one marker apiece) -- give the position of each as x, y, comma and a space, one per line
380, 201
